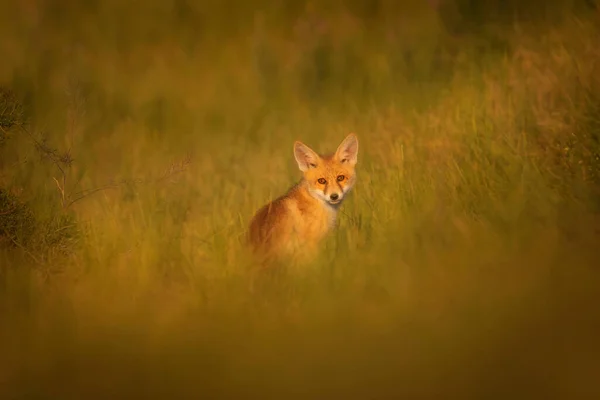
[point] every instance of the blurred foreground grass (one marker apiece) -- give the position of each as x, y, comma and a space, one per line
466, 261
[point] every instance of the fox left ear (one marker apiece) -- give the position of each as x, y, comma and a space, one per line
347, 151
305, 156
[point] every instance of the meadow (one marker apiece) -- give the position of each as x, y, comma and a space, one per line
137, 139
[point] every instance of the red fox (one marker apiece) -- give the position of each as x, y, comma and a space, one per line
294, 224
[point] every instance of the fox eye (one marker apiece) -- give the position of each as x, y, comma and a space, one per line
322, 181
341, 178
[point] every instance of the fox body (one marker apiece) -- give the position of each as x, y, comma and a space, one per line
294, 224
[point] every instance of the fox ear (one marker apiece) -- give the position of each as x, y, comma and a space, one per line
347, 151
305, 156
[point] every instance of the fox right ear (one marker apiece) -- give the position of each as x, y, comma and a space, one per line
305, 156
347, 151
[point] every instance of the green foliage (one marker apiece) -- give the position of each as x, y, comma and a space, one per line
17, 222
11, 113
41, 236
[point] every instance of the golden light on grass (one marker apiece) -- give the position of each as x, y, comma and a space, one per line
465, 264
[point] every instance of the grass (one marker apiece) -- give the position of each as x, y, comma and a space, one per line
465, 264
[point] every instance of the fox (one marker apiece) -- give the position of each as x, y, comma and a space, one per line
292, 226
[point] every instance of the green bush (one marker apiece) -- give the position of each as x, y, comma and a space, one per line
21, 228
11, 113
17, 221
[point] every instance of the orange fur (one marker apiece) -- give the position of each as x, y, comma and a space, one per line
294, 224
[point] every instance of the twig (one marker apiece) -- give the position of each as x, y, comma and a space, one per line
176, 168
89, 192
63, 161
61, 190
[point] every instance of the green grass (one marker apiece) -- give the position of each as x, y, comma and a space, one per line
465, 264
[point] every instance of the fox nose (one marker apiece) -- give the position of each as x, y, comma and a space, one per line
334, 196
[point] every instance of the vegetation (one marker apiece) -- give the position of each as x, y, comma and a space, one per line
137, 139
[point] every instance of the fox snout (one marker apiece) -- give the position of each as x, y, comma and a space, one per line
334, 196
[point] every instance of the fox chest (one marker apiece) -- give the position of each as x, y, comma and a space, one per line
311, 225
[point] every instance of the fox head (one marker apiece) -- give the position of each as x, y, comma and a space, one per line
329, 178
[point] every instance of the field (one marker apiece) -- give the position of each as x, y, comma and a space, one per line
137, 139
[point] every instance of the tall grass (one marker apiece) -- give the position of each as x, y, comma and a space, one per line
465, 263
